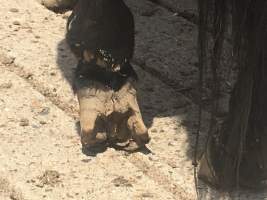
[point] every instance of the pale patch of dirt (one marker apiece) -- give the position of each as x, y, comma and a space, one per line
7, 191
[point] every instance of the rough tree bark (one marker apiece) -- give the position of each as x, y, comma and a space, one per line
235, 153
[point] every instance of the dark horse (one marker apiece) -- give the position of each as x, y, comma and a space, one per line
101, 35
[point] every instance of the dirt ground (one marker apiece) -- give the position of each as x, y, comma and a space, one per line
40, 150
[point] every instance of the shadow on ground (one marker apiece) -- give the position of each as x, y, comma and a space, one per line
154, 104
155, 101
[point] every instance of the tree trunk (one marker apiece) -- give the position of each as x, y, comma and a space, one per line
236, 154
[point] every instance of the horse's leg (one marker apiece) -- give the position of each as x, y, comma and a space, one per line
91, 110
132, 122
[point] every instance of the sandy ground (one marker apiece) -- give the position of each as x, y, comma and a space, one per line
40, 150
